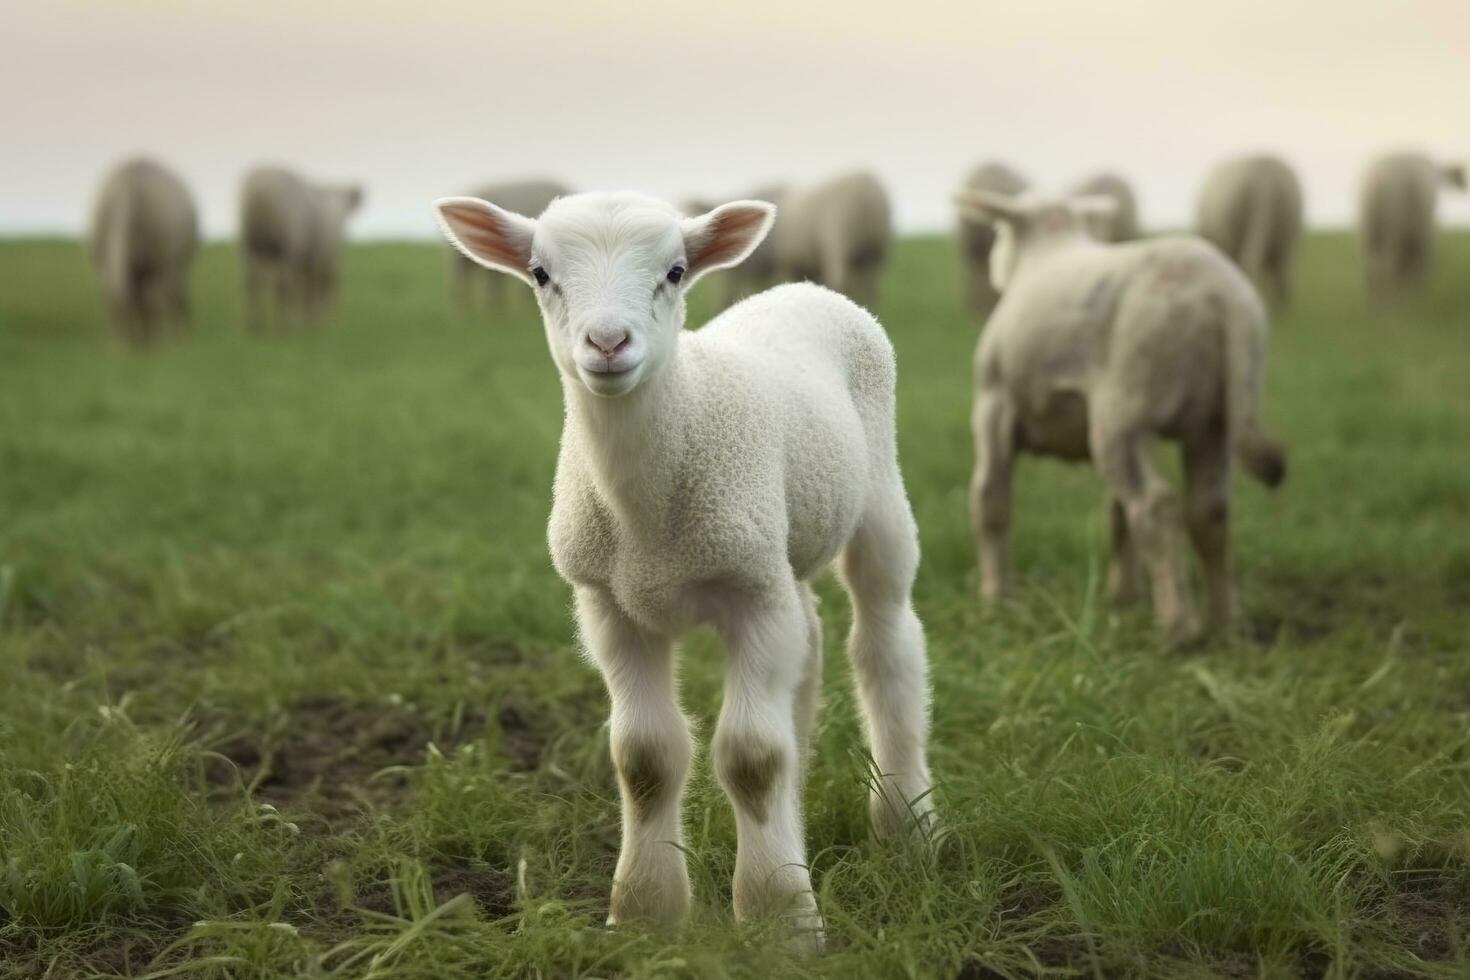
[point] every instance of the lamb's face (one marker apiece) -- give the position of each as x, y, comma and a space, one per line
609, 270
610, 276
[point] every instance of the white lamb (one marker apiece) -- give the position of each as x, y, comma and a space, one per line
707, 477
1095, 351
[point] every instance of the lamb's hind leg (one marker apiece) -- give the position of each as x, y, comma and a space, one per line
889, 663
1152, 508
809, 690
756, 757
651, 752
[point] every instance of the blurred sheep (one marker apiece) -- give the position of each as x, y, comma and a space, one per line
528, 197
976, 238
1251, 208
143, 237
291, 235
1094, 352
1396, 206
837, 234
1121, 225
759, 271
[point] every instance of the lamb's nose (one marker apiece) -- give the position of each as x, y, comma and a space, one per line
609, 340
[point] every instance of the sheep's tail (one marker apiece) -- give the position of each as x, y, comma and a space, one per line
1262, 456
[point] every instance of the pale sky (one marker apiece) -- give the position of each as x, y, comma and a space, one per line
421, 99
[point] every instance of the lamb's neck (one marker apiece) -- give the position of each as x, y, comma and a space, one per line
635, 443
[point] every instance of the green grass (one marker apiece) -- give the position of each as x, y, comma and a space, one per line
289, 686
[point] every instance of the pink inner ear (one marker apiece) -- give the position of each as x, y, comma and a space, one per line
727, 236
483, 233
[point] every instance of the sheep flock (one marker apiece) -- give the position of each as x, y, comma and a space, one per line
707, 476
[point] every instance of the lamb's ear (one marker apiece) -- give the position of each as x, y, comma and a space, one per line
354, 197
1455, 175
725, 236
494, 237
1093, 205
988, 206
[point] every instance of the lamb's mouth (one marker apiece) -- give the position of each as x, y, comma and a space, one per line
622, 363
608, 370
610, 380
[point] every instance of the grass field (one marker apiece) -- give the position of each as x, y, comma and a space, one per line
289, 685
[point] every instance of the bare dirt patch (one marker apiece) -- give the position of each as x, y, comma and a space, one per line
493, 890
1431, 913
337, 754
1309, 609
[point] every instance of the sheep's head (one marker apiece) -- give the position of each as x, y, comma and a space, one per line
1029, 220
338, 202
609, 270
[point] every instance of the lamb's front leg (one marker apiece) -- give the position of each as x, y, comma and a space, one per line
651, 752
756, 758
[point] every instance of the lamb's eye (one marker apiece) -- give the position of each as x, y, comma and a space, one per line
675, 274
541, 277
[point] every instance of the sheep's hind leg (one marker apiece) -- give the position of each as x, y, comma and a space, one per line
258, 292
889, 663
756, 758
1122, 556
651, 751
1154, 521
178, 301
990, 493
1207, 514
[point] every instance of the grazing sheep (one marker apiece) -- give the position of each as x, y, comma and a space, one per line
291, 233
1251, 208
1396, 221
837, 234
1121, 225
521, 196
1093, 352
143, 236
758, 271
978, 237
707, 477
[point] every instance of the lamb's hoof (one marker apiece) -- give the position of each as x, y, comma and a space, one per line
650, 907
808, 936
896, 820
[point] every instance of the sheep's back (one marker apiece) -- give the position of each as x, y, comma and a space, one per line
145, 210
1398, 197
